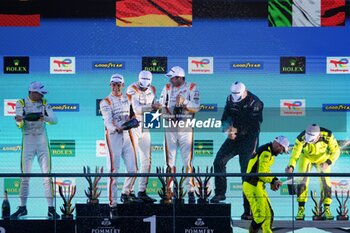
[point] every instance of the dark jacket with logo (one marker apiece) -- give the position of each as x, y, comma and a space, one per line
245, 115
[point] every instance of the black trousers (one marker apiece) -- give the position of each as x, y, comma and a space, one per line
244, 147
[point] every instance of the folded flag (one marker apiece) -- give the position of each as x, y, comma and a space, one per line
306, 13
153, 13
19, 13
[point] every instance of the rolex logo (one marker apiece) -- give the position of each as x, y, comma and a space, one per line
16, 65
292, 62
292, 65
156, 65
154, 62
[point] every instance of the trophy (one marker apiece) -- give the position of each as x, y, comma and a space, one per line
292, 187
342, 210
165, 193
203, 192
93, 193
178, 191
67, 193
318, 210
178, 111
133, 123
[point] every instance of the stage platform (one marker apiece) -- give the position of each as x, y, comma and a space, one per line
136, 218
283, 226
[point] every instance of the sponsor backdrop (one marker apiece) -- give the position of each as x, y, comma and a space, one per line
289, 74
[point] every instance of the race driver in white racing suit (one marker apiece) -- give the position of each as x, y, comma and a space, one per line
142, 96
180, 98
116, 111
32, 113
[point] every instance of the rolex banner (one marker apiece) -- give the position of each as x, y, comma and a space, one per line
203, 147
154, 13
62, 148
19, 13
306, 13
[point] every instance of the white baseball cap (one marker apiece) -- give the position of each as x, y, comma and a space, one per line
237, 91
117, 78
37, 87
283, 141
311, 133
176, 71
145, 79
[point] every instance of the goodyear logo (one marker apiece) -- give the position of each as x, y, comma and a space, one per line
208, 108
157, 147
108, 65
65, 107
335, 107
10, 148
247, 65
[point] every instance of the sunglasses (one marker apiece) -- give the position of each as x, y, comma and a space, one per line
176, 77
116, 84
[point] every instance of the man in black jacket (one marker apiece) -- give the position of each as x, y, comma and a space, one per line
241, 122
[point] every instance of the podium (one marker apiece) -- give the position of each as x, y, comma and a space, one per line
154, 218
37, 226
133, 218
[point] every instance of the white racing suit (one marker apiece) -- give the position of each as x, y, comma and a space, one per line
177, 137
35, 142
116, 111
141, 102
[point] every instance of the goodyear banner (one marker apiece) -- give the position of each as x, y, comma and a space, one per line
10, 148
65, 107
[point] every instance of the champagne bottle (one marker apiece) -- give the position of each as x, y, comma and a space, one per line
6, 207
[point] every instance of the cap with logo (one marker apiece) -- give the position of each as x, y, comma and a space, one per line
176, 71
311, 133
237, 91
283, 141
117, 78
145, 79
37, 87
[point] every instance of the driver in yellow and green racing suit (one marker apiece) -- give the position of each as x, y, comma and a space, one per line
314, 147
254, 186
